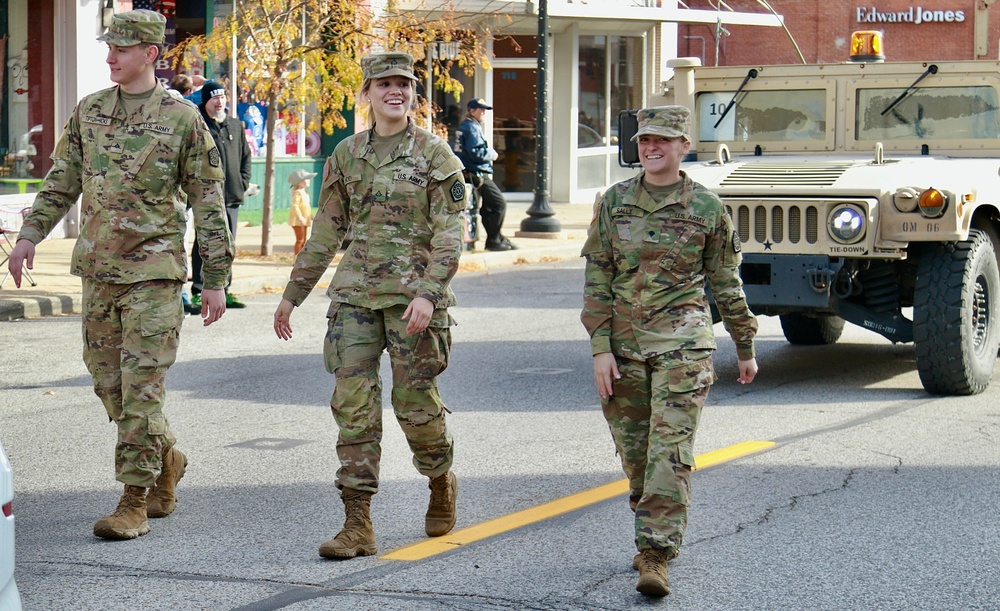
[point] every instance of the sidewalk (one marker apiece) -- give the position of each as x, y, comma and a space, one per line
58, 292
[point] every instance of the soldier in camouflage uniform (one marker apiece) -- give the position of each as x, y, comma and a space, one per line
654, 241
400, 189
130, 150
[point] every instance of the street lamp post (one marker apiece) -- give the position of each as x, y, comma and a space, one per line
540, 214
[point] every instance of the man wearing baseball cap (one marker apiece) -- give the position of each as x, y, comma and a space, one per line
477, 156
131, 151
654, 242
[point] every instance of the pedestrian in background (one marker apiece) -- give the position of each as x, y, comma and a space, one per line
131, 150
400, 189
654, 241
478, 156
235, 157
182, 84
300, 214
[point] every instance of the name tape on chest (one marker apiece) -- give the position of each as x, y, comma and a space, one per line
687, 216
409, 177
156, 127
94, 120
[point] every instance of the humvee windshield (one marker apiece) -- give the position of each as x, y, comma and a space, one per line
937, 113
798, 114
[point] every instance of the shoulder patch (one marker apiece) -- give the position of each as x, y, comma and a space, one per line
457, 191
213, 157
737, 245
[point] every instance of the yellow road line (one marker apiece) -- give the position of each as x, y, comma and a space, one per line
465, 536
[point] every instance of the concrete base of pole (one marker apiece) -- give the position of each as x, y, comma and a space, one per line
541, 235
541, 224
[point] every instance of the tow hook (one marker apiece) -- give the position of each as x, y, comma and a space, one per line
820, 279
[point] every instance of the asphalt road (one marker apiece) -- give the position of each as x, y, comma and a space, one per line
874, 495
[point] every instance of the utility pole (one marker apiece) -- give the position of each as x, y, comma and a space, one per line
540, 214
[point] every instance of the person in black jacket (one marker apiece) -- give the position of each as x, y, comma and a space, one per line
235, 157
478, 157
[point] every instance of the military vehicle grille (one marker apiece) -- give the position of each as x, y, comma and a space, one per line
811, 174
776, 224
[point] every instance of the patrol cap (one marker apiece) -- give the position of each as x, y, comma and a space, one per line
475, 103
132, 27
298, 176
381, 65
666, 121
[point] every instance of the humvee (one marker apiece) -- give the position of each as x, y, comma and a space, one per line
865, 192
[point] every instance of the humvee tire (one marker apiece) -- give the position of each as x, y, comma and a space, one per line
802, 330
956, 315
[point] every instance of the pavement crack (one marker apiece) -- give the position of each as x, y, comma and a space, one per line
790, 505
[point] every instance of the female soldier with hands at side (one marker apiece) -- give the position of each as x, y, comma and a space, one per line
654, 241
400, 189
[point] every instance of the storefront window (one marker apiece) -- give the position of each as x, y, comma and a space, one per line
29, 133
592, 127
610, 81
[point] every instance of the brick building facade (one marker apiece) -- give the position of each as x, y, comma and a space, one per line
913, 30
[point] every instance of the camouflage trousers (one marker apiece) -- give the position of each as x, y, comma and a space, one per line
353, 347
653, 415
130, 336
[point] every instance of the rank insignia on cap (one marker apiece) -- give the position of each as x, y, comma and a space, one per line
457, 191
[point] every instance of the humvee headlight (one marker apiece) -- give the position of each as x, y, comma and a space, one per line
932, 203
846, 224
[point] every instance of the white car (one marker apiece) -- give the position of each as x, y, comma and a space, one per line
10, 598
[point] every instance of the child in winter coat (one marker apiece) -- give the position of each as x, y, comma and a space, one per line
301, 214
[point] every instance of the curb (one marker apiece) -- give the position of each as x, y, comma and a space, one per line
37, 306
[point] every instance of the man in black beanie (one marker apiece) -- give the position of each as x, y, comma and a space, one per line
235, 156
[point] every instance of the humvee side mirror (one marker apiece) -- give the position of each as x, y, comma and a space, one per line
628, 151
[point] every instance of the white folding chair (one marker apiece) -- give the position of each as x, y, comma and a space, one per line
6, 247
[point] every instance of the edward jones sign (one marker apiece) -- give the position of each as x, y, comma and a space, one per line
915, 15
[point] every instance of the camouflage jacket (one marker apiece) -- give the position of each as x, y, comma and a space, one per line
404, 213
646, 270
134, 173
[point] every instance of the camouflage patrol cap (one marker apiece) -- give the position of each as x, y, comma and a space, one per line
381, 65
666, 121
132, 27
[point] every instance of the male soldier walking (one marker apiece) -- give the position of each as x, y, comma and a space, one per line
654, 241
130, 149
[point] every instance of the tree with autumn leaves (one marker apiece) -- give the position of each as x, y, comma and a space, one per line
299, 55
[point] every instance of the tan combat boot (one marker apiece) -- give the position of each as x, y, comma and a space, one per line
162, 498
129, 519
653, 573
638, 558
356, 538
441, 517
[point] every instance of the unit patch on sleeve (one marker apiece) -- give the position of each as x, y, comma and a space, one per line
737, 245
457, 191
213, 157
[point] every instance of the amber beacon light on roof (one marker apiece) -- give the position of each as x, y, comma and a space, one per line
866, 46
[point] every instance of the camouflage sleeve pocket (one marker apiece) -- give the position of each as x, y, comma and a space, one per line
690, 376
456, 197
